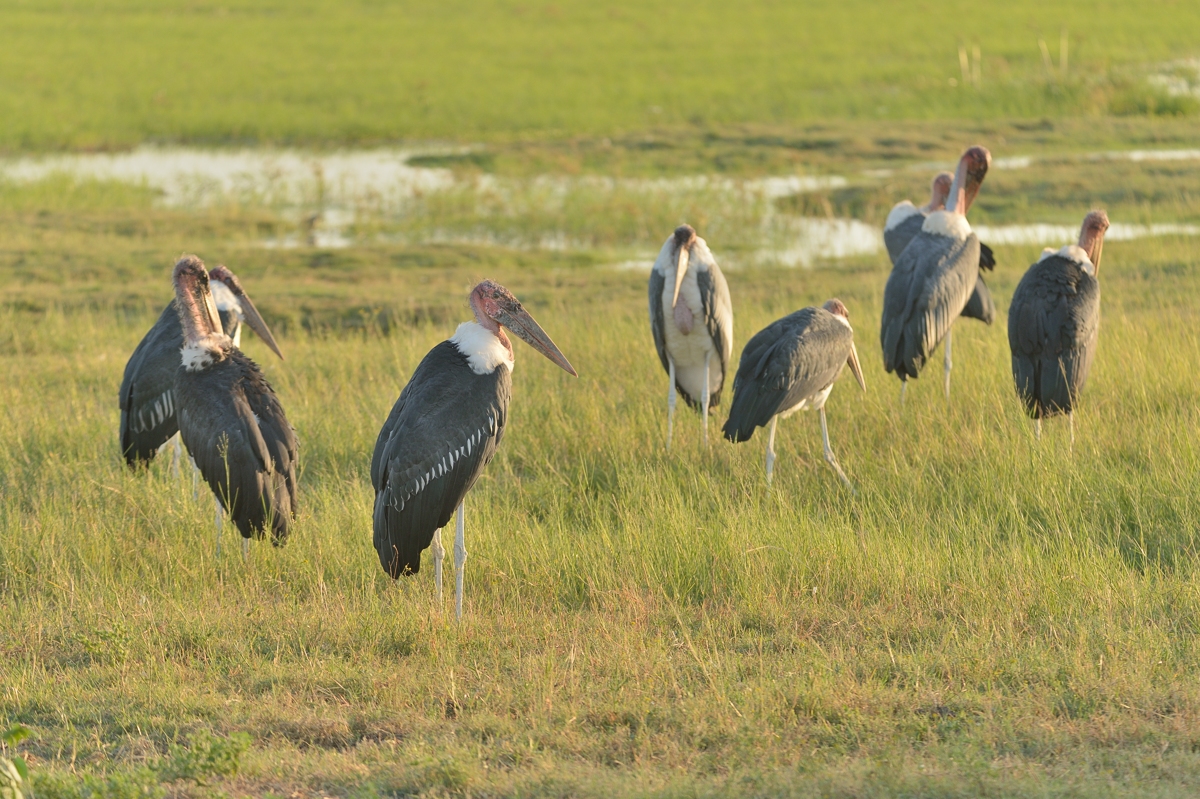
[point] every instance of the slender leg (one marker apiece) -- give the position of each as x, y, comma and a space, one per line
195, 480
439, 554
1037, 428
704, 400
829, 457
670, 399
220, 521
176, 454
771, 449
947, 343
245, 548
460, 557
903, 391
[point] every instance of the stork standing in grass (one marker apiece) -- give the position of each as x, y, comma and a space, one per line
1054, 324
147, 390
691, 317
443, 431
904, 223
934, 277
229, 417
789, 366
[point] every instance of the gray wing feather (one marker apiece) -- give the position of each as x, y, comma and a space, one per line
899, 237
437, 440
236, 431
147, 397
928, 287
1053, 329
980, 305
786, 362
657, 283
718, 319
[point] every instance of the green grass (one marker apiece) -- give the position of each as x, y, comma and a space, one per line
118, 73
989, 616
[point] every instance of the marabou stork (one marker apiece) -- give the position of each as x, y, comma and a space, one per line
789, 366
1054, 324
229, 417
934, 277
686, 287
904, 222
443, 431
146, 398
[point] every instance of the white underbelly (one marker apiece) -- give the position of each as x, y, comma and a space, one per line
813, 403
688, 351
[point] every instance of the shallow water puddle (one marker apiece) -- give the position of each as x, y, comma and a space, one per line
332, 191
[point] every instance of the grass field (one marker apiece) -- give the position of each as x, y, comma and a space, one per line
990, 616
97, 74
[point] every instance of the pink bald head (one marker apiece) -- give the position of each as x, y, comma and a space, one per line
972, 168
939, 190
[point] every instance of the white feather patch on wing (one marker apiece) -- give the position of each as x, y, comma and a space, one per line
201, 354
482, 348
947, 223
900, 211
1071, 252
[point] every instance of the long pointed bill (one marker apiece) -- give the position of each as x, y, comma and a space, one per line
524, 327
1096, 258
210, 305
680, 271
255, 320
856, 367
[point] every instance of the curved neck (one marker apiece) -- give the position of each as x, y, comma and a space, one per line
491, 325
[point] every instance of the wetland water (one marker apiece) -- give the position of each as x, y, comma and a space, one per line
349, 197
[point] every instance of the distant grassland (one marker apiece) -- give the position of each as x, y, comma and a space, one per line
112, 74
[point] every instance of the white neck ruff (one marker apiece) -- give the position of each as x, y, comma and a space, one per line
204, 352
947, 223
482, 348
1071, 252
900, 211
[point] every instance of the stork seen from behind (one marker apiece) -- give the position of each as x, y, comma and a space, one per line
691, 318
904, 223
1054, 324
146, 397
933, 278
443, 431
229, 417
789, 366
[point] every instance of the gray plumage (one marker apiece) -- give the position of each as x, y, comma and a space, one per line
929, 286
791, 360
980, 305
236, 431
441, 433
146, 396
1053, 328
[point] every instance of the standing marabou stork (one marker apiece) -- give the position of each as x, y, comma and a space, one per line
934, 277
1054, 324
904, 223
443, 431
146, 398
686, 287
229, 417
790, 366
